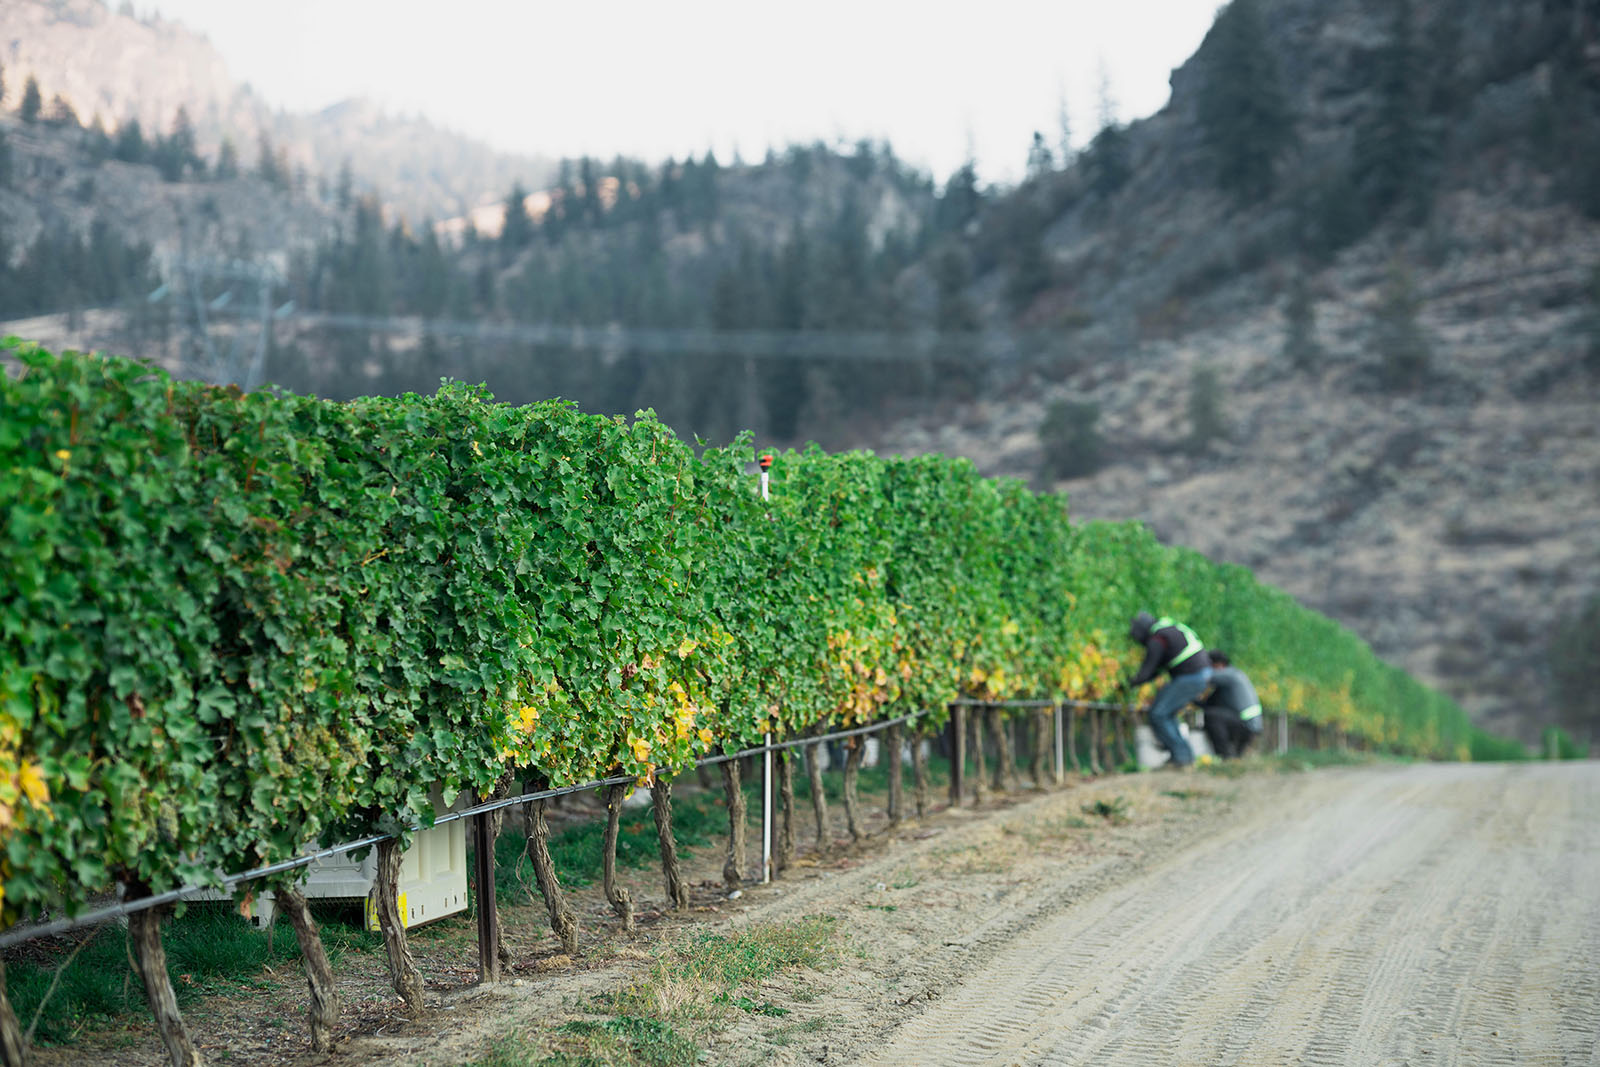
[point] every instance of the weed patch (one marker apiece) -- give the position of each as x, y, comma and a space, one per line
1115, 811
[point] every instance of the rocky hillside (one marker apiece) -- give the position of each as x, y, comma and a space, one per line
121, 68
1451, 515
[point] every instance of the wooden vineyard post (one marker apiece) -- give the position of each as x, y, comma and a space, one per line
386, 891
1057, 714
150, 957
892, 746
488, 907
958, 753
671, 872
733, 791
767, 784
322, 1011
620, 899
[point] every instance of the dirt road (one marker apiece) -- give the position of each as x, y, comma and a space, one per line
1434, 914
1380, 914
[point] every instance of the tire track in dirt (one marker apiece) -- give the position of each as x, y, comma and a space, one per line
1436, 913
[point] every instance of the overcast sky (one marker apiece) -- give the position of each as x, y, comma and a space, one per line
652, 78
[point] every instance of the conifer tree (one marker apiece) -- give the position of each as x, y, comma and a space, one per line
517, 232
1404, 355
32, 101
1206, 423
1040, 159
1390, 152
1244, 114
98, 142
270, 162
1071, 440
1300, 345
345, 191
130, 146
61, 113
961, 200
176, 154
1107, 160
227, 161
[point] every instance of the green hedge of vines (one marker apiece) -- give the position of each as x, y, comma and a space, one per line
233, 624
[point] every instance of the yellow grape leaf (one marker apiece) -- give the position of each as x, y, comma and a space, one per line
33, 785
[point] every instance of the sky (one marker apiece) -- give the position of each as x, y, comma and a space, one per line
939, 80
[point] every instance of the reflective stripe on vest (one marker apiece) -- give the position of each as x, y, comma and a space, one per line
1253, 711
1192, 643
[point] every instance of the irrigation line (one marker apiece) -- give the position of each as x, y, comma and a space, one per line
129, 907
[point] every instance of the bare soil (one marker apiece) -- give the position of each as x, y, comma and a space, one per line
1380, 914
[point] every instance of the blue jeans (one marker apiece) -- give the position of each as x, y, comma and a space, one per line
1173, 698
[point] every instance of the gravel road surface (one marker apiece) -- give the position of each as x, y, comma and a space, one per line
1428, 914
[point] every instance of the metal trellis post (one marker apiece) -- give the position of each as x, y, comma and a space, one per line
766, 756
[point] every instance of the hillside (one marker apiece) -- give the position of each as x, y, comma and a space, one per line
1451, 515
121, 68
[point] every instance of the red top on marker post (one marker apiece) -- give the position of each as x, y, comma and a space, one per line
765, 461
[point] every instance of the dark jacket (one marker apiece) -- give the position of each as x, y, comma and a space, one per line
1160, 648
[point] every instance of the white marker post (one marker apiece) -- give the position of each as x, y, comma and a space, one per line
766, 757
1061, 761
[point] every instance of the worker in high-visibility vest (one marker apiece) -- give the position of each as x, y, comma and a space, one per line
1233, 711
1171, 646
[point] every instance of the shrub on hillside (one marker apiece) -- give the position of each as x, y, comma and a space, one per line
1070, 435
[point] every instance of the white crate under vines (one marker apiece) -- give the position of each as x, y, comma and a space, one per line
433, 880
1151, 754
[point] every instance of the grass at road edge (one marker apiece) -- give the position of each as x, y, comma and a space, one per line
693, 986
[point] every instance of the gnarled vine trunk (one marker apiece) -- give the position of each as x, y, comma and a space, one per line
1004, 765
562, 920
1096, 717
786, 795
1042, 721
13, 1051
733, 865
621, 900
661, 807
150, 957
1071, 742
819, 798
919, 772
1122, 740
386, 893
852, 805
322, 1013
980, 773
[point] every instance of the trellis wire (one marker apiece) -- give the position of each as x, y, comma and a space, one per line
129, 907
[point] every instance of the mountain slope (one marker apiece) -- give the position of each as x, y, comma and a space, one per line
124, 68
1451, 515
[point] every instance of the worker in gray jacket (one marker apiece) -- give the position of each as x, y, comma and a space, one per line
1233, 712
